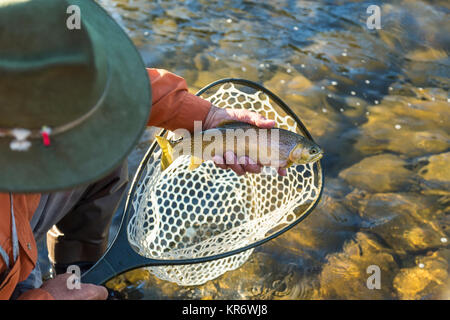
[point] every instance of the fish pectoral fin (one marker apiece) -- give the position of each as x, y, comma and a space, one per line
289, 163
195, 163
226, 122
167, 152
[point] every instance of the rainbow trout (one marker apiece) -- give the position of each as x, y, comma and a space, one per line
270, 147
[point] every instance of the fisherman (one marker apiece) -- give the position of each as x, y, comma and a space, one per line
73, 104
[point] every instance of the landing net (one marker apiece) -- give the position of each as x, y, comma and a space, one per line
183, 214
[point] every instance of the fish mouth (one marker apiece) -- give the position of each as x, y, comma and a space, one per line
313, 159
317, 157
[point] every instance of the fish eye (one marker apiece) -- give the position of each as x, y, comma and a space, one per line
313, 151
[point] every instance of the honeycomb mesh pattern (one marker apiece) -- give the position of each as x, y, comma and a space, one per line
183, 214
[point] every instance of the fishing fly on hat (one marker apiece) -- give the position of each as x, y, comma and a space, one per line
73, 102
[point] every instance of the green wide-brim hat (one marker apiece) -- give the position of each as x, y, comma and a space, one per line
75, 96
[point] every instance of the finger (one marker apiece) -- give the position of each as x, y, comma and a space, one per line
220, 162
231, 162
94, 292
102, 293
282, 172
249, 165
264, 123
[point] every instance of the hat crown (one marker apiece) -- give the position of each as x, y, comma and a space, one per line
50, 75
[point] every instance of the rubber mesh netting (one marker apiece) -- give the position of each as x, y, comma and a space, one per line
183, 214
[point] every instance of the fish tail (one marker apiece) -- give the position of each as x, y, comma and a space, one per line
167, 152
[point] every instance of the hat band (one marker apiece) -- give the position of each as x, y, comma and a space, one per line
21, 135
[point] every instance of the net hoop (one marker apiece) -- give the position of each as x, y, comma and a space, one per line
180, 274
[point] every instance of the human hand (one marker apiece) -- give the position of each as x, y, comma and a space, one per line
59, 290
229, 160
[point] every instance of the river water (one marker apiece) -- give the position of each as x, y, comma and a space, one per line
375, 99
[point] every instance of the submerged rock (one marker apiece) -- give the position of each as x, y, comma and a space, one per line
436, 176
406, 125
428, 54
133, 278
426, 279
405, 222
381, 173
438, 168
283, 83
345, 274
324, 231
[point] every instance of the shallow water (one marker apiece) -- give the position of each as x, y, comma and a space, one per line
376, 101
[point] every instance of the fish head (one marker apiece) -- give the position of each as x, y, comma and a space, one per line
305, 152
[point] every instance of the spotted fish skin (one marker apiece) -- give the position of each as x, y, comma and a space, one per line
274, 147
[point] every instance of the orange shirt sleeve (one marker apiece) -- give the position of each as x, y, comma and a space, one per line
173, 107
24, 207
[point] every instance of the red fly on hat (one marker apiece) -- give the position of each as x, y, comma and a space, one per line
45, 132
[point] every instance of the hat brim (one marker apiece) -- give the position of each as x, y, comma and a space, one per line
101, 143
